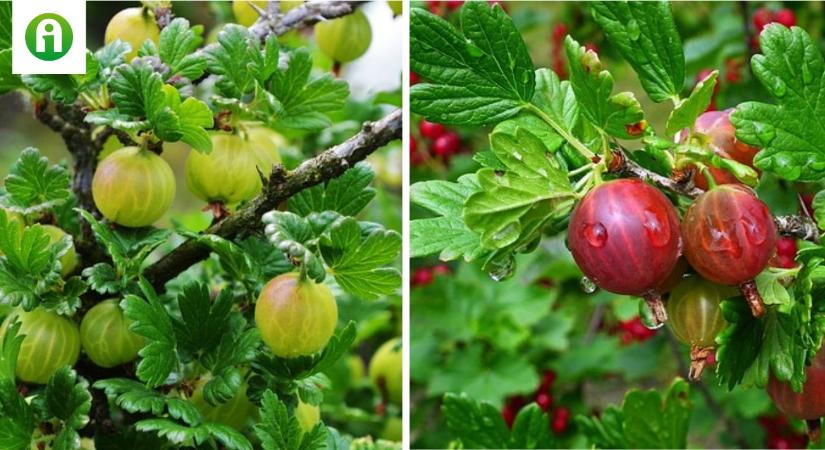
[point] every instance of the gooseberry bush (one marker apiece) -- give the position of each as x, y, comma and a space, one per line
616, 232
245, 326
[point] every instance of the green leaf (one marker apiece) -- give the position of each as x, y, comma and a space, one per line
347, 195
61, 88
618, 115
306, 366
357, 261
234, 260
605, 431
646, 36
790, 131
159, 354
293, 235
202, 321
30, 267
447, 235
236, 349
280, 430
769, 285
686, 111
8, 80
17, 421
481, 76
133, 396
651, 421
231, 59
533, 179
531, 429
10, 349
195, 435
476, 424
177, 47
33, 186
818, 205
68, 399
5, 25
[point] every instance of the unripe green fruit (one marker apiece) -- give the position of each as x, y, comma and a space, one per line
396, 6
105, 335
295, 317
393, 430
229, 174
135, 26
694, 312
356, 368
68, 261
346, 38
308, 416
385, 370
235, 413
246, 15
133, 187
14, 216
52, 341
111, 145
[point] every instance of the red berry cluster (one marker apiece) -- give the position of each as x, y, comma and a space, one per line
732, 73
560, 416
557, 50
764, 16
440, 7
444, 143
779, 434
785, 253
633, 330
425, 275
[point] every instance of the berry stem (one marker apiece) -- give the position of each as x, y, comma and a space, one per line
814, 430
657, 307
698, 359
753, 298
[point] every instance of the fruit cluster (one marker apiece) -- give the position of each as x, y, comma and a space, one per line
764, 16
423, 276
559, 416
443, 143
779, 434
633, 330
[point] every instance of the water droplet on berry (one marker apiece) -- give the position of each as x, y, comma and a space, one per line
754, 230
656, 228
595, 233
722, 241
587, 285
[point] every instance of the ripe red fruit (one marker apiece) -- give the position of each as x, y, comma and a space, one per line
624, 235
544, 400
561, 417
808, 404
547, 379
453, 4
509, 415
786, 246
431, 130
422, 276
785, 17
434, 6
441, 269
729, 237
716, 129
559, 32
761, 18
591, 47
414, 78
806, 204
447, 144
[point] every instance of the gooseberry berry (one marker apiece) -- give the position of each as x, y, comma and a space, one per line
346, 38
246, 15
229, 173
135, 26
624, 235
696, 317
396, 6
717, 131
385, 370
237, 412
809, 404
69, 260
133, 187
431, 130
393, 430
729, 237
51, 342
295, 316
308, 416
356, 368
105, 335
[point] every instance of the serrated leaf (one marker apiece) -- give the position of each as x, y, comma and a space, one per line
651, 421
686, 112
68, 398
347, 195
202, 322
133, 396
33, 186
478, 425
159, 355
481, 76
769, 285
790, 132
646, 36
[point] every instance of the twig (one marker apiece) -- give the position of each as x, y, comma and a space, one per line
620, 164
595, 322
281, 186
800, 227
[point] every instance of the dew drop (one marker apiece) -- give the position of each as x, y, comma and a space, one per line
595, 233
473, 50
779, 88
587, 285
765, 133
722, 241
633, 30
754, 231
646, 317
501, 268
655, 228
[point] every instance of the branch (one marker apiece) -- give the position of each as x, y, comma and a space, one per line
282, 185
800, 227
622, 165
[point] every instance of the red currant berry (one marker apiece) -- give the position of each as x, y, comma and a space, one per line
441, 269
422, 277
733, 71
414, 78
544, 400
761, 18
547, 379
785, 17
431, 130
592, 47
452, 5
559, 32
624, 235
561, 418
508, 415
808, 404
729, 235
447, 144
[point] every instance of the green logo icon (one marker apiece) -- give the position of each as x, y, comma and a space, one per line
49, 37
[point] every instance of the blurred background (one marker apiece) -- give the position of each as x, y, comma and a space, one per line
540, 336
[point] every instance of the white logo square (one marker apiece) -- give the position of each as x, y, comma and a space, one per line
48, 37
